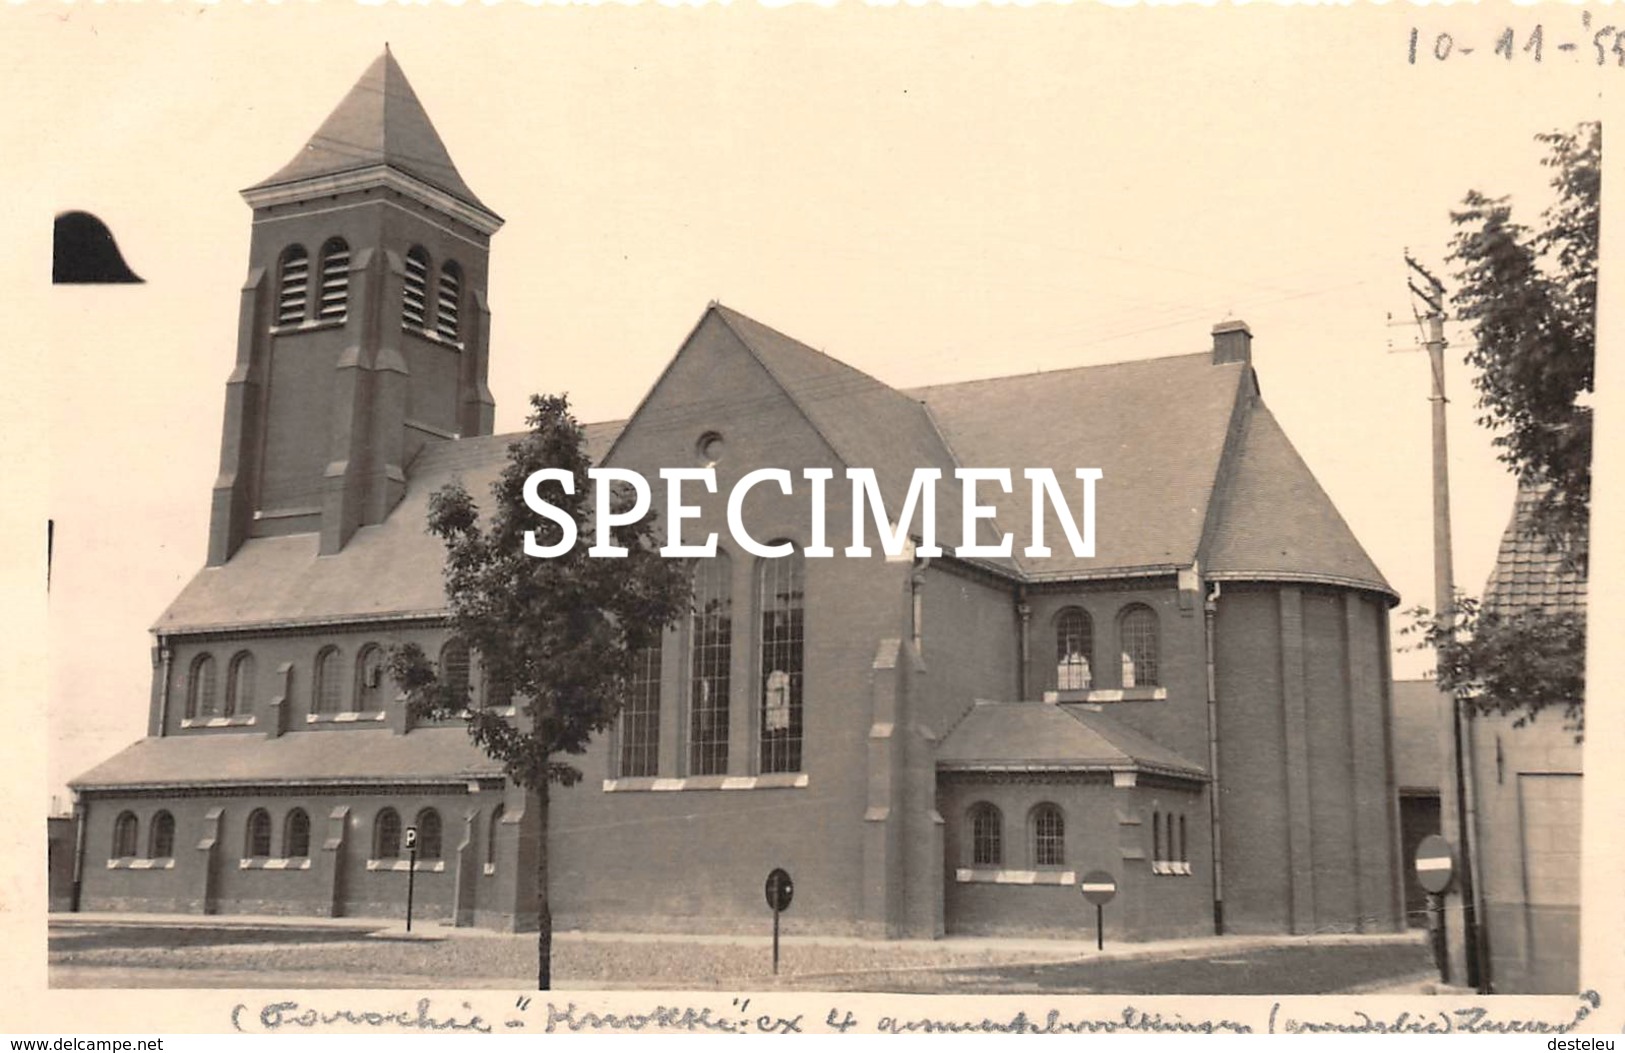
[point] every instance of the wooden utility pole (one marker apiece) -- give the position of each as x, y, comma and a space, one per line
1465, 944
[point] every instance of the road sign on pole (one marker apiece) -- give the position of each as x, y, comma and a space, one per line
1435, 864
780, 889
1435, 872
411, 870
1098, 887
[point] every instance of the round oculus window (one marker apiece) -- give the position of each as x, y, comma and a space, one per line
709, 448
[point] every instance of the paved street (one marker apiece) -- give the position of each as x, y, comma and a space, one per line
1300, 969
153, 951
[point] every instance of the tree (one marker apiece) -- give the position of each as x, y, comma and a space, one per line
1531, 297
560, 634
1517, 664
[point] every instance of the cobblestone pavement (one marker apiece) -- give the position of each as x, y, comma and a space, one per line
154, 951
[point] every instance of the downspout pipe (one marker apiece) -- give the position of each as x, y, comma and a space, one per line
916, 583
81, 817
166, 655
1024, 616
1210, 609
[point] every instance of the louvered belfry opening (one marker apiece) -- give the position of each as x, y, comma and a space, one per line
414, 305
294, 288
335, 279
451, 290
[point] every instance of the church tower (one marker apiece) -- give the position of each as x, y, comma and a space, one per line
363, 327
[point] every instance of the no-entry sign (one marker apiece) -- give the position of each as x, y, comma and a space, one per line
1098, 887
1435, 864
779, 889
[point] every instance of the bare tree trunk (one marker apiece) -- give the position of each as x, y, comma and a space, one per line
544, 913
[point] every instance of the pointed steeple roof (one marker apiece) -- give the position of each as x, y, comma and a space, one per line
379, 123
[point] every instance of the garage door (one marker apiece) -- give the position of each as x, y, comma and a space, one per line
1549, 806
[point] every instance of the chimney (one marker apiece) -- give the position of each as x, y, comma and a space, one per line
1232, 342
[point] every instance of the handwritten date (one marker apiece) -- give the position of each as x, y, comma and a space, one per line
1602, 45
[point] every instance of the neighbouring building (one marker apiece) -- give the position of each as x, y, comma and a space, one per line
1421, 711
1202, 709
61, 836
1526, 786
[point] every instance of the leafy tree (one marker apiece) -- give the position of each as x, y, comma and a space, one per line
1518, 664
1531, 298
560, 635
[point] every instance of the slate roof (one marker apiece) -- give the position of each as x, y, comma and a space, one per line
1526, 576
1157, 428
380, 122
351, 756
1275, 521
867, 423
391, 569
1040, 736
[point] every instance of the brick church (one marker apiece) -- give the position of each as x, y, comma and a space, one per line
929, 746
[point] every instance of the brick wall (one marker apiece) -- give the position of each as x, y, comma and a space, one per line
1307, 795
296, 650
1106, 828
1178, 722
354, 890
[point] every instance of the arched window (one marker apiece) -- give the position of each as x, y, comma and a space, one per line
491, 837
640, 716
779, 598
258, 842
293, 285
335, 279
1074, 650
370, 679
711, 631
201, 693
1139, 636
986, 836
328, 684
414, 297
240, 685
161, 838
1156, 837
454, 669
451, 293
386, 835
495, 691
428, 834
1048, 829
296, 835
126, 836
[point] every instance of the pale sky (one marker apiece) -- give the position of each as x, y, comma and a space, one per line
929, 195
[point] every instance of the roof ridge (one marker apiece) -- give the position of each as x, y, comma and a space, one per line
1226, 465
1111, 729
1235, 551
953, 725
728, 316
923, 389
